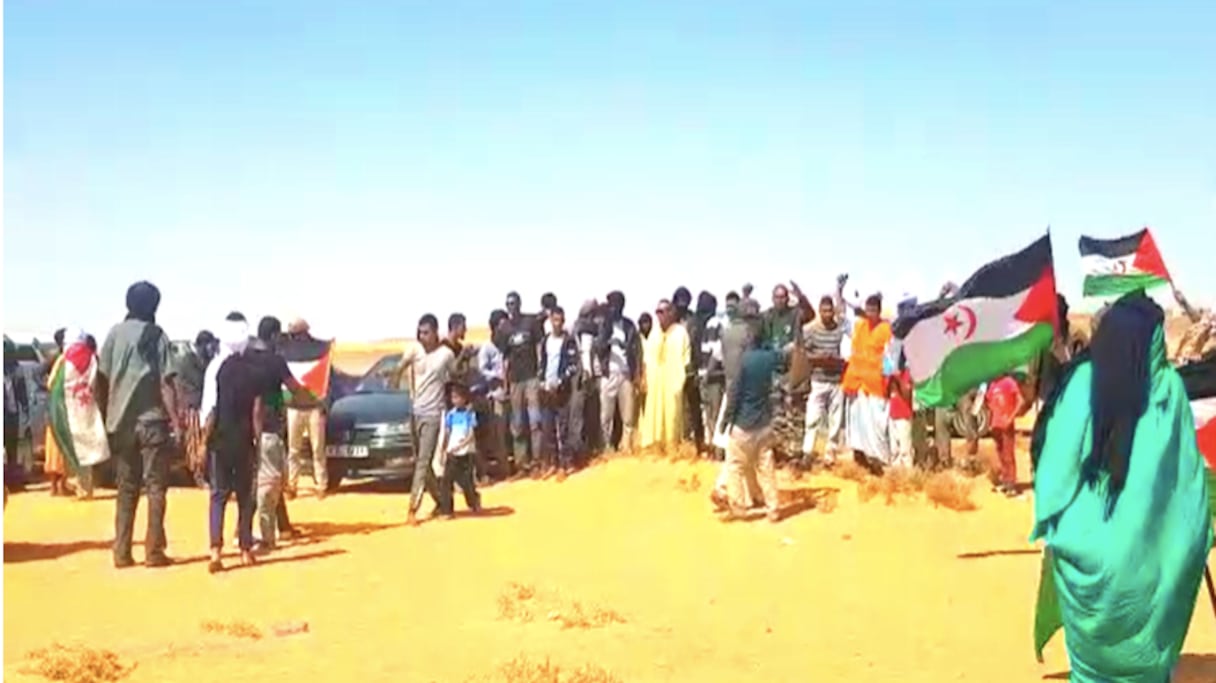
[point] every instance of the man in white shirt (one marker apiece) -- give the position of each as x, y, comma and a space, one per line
428, 366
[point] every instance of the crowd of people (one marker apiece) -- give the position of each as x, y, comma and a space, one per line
1120, 486
793, 384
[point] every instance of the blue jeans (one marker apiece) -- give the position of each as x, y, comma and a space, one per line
231, 471
556, 421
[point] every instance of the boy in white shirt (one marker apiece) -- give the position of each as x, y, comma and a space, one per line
459, 448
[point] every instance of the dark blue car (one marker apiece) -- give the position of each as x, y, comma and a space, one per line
369, 427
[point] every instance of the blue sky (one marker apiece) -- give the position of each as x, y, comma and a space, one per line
362, 164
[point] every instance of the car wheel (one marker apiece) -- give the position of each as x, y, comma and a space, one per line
983, 423
335, 472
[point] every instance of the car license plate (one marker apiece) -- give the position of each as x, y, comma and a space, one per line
346, 451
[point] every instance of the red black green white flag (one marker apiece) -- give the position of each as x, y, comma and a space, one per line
309, 362
1000, 319
1126, 264
1200, 382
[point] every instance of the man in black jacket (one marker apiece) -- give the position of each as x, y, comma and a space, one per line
619, 348
560, 377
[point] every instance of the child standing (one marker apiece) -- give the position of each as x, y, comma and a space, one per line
459, 449
899, 410
1004, 399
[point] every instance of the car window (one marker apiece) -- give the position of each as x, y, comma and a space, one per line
381, 375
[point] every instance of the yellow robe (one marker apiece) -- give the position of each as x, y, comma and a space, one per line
666, 355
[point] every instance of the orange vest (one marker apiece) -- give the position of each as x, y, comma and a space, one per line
864, 372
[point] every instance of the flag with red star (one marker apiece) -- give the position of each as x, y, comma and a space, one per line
1200, 382
1125, 264
1001, 318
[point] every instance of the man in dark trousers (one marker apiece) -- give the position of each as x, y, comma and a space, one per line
139, 399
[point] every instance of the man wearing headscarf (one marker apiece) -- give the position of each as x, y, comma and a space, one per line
584, 330
618, 347
1121, 503
697, 385
135, 384
191, 367
743, 328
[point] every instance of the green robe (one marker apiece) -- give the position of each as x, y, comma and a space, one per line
1123, 587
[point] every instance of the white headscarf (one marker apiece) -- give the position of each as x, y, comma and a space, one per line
74, 335
234, 337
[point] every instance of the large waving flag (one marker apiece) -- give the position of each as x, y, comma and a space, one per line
309, 362
1126, 264
1200, 382
1002, 317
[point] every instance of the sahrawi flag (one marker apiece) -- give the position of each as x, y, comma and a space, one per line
1002, 317
1200, 382
1116, 267
309, 362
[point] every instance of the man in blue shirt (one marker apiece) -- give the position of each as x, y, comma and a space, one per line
749, 412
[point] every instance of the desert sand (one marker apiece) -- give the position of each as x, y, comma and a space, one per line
622, 568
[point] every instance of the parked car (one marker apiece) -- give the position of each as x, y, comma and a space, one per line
369, 428
33, 423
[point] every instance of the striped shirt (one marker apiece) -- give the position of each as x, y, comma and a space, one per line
819, 340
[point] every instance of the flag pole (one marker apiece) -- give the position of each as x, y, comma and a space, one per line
1207, 578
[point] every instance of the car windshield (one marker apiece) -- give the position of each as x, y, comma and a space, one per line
380, 377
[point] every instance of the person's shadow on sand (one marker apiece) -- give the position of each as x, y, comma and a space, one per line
1192, 668
37, 552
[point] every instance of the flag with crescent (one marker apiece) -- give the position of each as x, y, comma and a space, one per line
1125, 264
999, 320
1200, 382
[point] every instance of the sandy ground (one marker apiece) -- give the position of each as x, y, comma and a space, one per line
846, 591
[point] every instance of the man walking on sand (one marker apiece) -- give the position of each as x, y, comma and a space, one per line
743, 322
749, 412
430, 364
135, 386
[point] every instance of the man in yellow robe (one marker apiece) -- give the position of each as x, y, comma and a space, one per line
666, 354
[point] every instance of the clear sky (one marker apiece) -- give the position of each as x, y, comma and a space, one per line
362, 164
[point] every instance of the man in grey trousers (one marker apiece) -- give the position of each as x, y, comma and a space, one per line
429, 366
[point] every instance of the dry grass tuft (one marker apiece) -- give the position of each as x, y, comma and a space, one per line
578, 616
515, 602
524, 670
868, 488
850, 471
950, 490
236, 629
522, 603
76, 664
904, 481
894, 483
690, 484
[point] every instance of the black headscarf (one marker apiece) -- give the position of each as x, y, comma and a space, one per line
1122, 378
143, 298
707, 305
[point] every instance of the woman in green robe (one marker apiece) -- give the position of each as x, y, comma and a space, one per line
1121, 502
